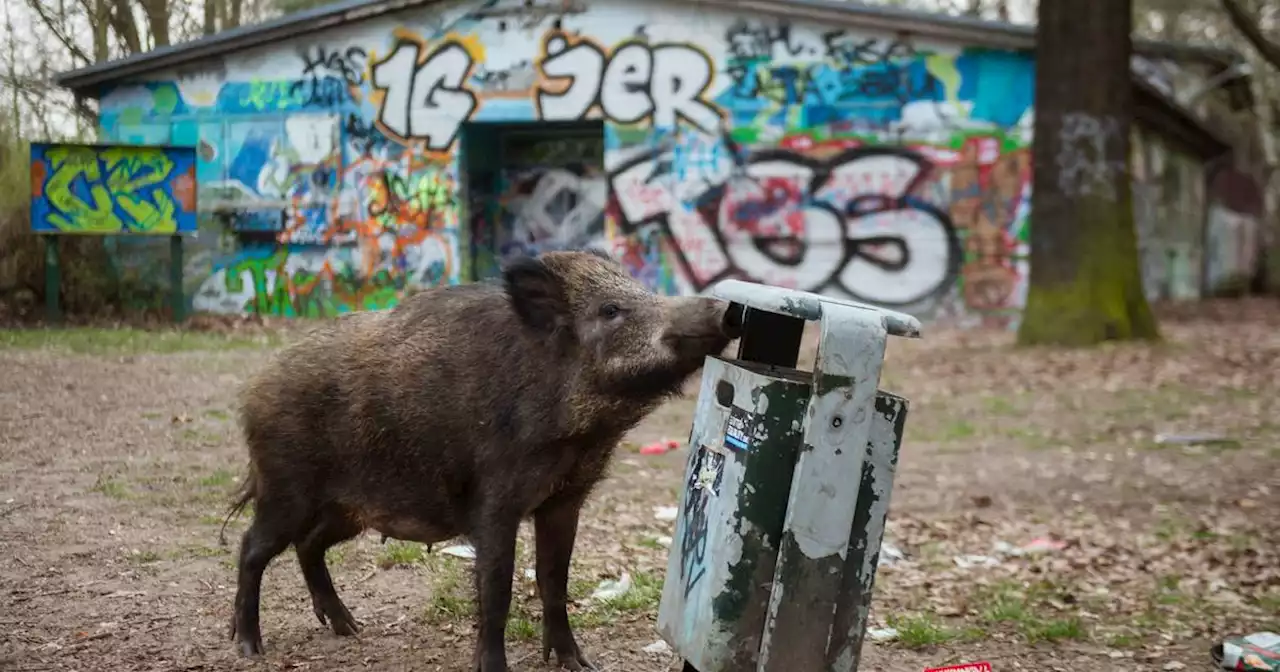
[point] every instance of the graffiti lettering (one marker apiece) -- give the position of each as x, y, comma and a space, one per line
425, 97
263, 96
112, 189
849, 224
702, 484
519, 77
328, 76
563, 210
753, 41
1086, 145
347, 65
781, 75
664, 83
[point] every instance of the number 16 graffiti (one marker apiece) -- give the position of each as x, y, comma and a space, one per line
846, 224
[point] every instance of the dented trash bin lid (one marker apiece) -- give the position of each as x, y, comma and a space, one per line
808, 306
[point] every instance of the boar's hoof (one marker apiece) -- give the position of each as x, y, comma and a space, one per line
345, 626
569, 658
250, 647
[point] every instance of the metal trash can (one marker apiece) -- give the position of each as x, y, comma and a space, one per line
786, 489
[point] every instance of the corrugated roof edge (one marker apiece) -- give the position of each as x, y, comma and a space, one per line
966, 29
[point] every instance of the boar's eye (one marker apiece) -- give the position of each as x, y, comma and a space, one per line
610, 310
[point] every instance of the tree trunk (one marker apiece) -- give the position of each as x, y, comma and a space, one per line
1086, 282
209, 25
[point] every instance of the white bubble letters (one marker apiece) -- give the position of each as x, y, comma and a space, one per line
665, 83
426, 100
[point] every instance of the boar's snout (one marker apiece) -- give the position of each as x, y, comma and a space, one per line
700, 326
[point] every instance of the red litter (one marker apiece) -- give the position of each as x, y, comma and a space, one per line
660, 447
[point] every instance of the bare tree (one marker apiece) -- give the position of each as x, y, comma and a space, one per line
1250, 23
1086, 282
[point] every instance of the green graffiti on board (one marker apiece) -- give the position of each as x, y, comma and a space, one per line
130, 170
306, 293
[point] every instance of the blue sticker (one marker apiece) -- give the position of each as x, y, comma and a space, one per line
737, 432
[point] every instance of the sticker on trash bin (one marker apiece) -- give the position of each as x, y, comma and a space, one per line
983, 666
737, 432
707, 472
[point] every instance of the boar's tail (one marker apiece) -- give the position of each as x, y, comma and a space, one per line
248, 491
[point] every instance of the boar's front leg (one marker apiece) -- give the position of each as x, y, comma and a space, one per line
556, 527
495, 543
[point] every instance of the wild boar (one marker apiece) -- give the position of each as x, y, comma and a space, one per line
461, 412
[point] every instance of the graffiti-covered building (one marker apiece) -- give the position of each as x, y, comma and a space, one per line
352, 152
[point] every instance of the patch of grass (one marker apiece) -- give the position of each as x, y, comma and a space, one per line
452, 596
1270, 602
958, 430
645, 594
1168, 529
522, 628
198, 552
336, 555
201, 436
1123, 640
111, 487
220, 479
644, 597
997, 405
397, 553
144, 557
1053, 630
922, 631
1008, 603
451, 606
650, 543
218, 414
1030, 438
127, 340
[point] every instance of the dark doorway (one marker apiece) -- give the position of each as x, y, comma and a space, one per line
531, 187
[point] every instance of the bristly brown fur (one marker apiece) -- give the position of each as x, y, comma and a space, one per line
461, 412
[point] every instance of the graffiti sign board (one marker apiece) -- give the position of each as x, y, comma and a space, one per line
112, 189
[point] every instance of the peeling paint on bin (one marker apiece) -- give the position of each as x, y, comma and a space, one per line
867, 533
717, 623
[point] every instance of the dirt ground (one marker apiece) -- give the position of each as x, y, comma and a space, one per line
119, 454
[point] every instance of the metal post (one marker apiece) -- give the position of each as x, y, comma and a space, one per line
177, 298
52, 280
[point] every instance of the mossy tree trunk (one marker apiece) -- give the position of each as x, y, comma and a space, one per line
1086, 280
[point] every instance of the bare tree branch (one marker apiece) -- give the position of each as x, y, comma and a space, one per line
1248, 26
72, 48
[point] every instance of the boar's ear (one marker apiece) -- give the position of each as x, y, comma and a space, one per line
536, 292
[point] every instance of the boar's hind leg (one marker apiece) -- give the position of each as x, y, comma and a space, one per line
268, 536
331, 528
495, 542
556, 527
